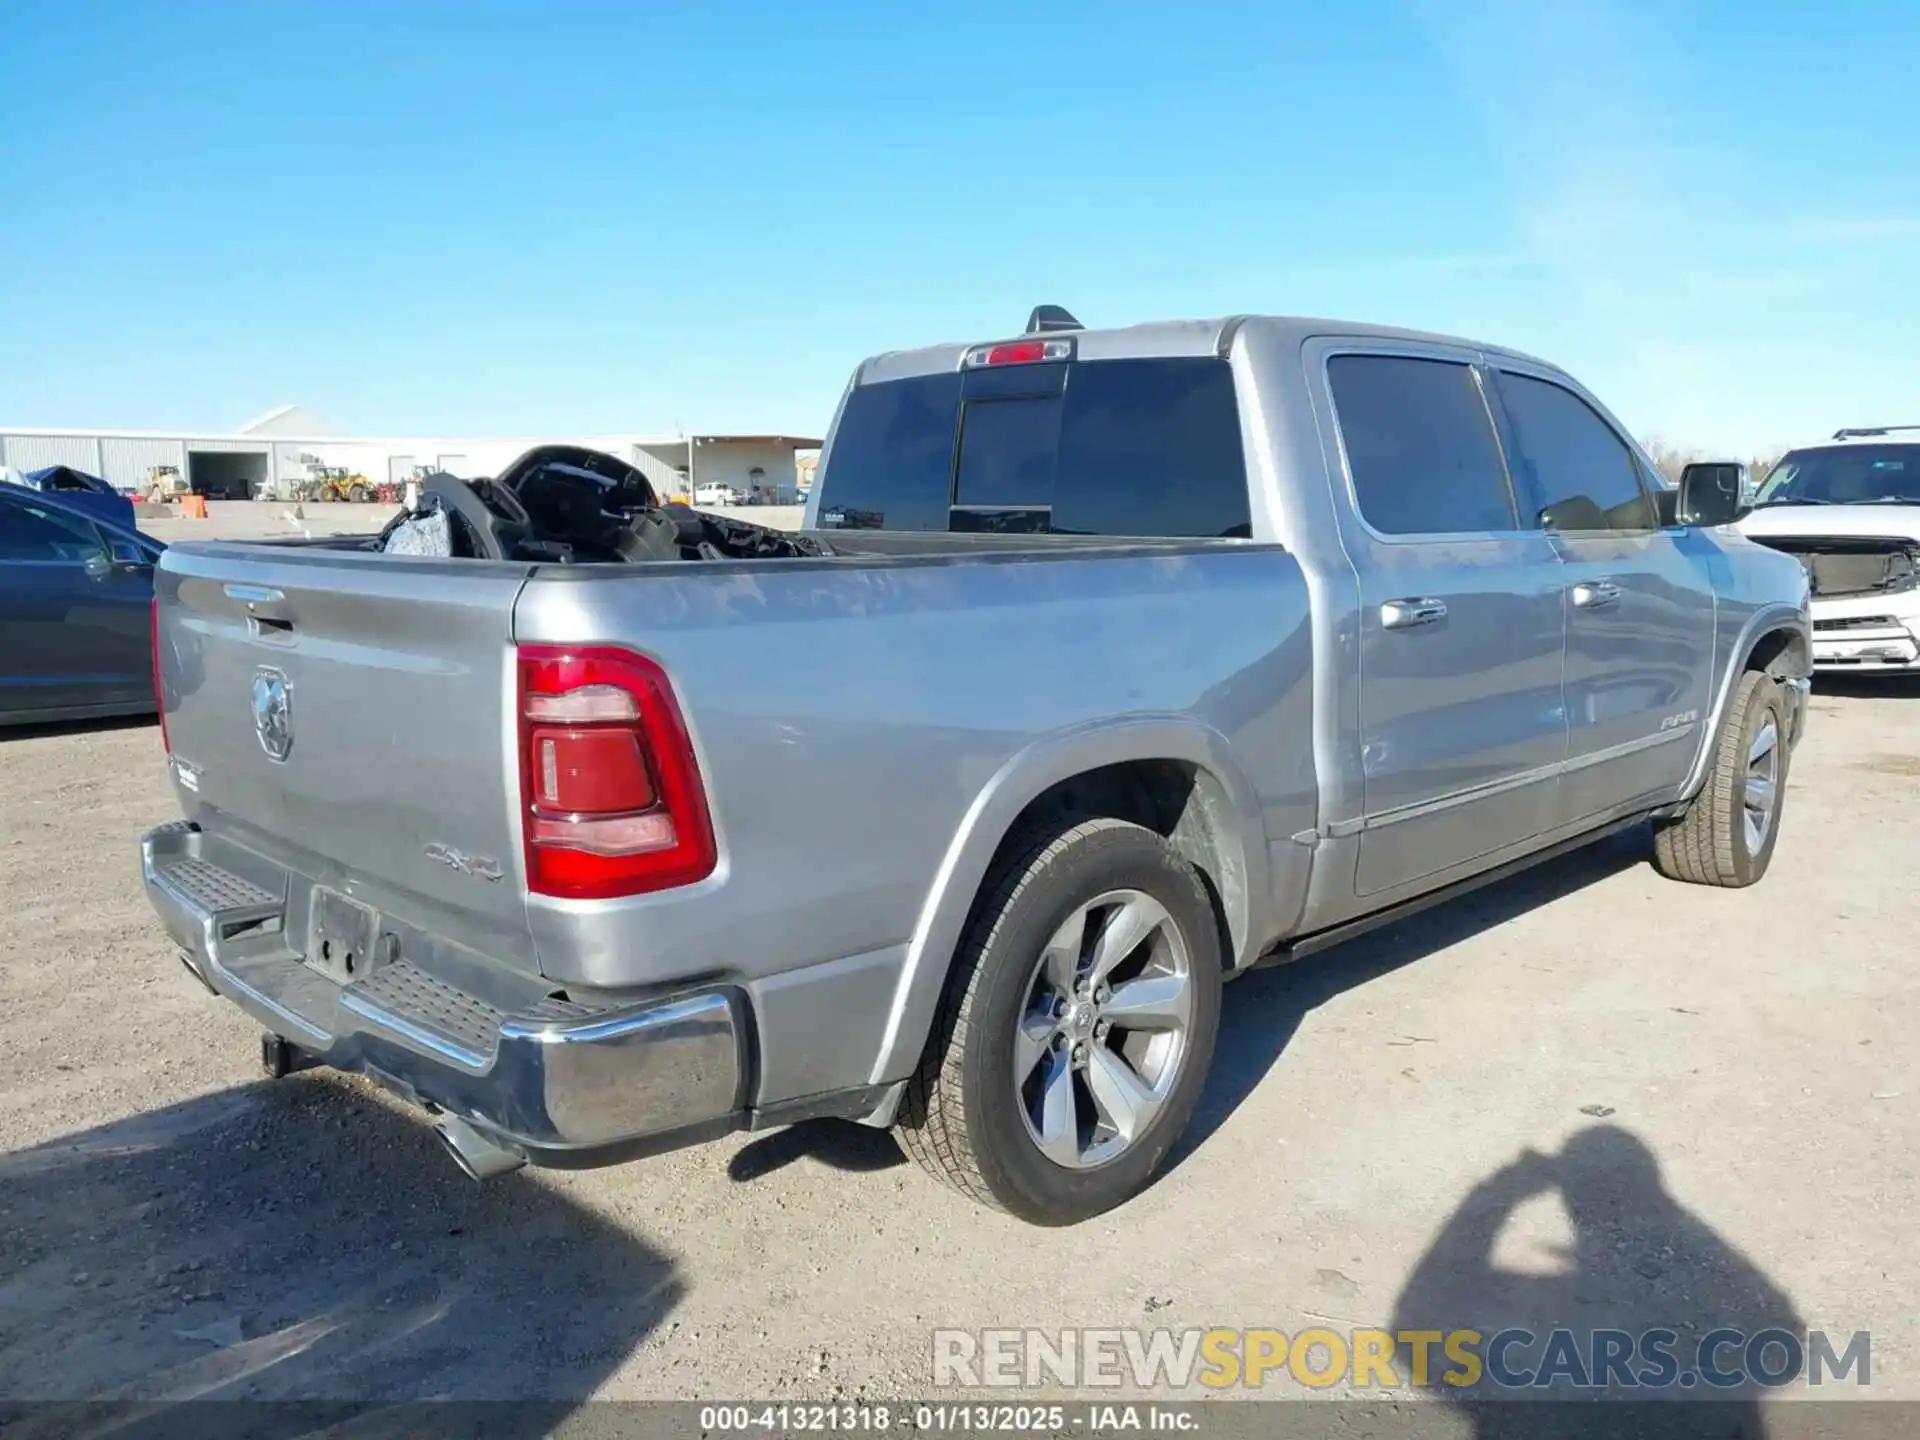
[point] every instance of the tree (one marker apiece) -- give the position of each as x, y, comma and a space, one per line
1670, 458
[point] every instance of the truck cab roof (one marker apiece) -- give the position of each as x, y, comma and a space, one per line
1164, 338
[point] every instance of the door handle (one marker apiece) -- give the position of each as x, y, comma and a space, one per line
1411, 611
262, 602
1594, 594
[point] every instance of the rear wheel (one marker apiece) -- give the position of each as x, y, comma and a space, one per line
1077, 1029
1727, 835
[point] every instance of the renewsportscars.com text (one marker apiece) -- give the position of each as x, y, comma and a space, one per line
1319, 1359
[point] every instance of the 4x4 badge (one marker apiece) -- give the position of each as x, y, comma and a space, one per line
484, 866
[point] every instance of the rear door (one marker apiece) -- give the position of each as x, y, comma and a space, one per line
1462, 723
350, 716
1639, 599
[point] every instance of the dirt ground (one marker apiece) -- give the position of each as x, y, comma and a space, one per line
1723, 1086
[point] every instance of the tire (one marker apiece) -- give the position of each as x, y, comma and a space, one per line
967, 1117
1713, 843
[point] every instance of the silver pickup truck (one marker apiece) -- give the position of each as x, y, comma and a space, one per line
1133, 659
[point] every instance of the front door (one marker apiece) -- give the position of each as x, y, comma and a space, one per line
1463, 726
1639, 598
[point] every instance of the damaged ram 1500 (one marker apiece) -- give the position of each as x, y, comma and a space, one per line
1849, 511
1109, 664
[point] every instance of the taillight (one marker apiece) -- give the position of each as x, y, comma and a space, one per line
159, 688
611, 792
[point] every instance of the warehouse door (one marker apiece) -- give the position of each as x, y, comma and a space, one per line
227, 474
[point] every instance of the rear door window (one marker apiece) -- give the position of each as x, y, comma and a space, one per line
892, 458
1151, 447
1573, 472
1420, 446
1109, 447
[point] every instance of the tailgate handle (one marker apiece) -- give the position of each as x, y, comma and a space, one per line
263, 602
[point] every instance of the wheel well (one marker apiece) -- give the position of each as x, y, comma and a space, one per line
1780, 652
1177, 799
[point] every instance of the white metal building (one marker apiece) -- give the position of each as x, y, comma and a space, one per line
266, 456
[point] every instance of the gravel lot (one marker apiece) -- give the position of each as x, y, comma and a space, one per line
171, 1225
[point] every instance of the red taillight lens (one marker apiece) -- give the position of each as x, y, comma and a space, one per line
601, 772
159, 687
611, 790
1026, 352
1019, 352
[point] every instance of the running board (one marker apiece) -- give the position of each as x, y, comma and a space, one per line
1305, 945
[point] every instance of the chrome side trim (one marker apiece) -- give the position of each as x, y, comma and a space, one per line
1421, 809
1631, 747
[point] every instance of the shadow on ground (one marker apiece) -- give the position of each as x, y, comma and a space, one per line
300, 1240
1640, 1263
44, 729
1265, 1009
840, 1144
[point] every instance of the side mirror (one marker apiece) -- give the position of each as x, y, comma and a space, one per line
1716, 492
127, 556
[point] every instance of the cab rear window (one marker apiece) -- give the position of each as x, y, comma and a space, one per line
1107, 447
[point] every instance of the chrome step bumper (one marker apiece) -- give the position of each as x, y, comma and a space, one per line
561, 1084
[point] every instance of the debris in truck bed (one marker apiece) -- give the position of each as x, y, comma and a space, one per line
420, 534
563, 504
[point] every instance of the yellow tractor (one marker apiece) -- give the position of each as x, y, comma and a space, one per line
164, 483
335, 483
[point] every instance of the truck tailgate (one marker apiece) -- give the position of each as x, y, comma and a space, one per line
346, 715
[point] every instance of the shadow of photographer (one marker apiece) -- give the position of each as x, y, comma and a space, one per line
1639, 1263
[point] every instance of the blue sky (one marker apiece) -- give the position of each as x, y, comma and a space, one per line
505, 218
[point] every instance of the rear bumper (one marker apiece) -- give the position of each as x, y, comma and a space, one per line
561, 1084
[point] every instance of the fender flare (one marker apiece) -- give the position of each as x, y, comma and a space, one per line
995, 809
1763, 621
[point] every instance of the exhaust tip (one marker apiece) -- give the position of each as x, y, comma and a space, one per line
478, 1157
186, 963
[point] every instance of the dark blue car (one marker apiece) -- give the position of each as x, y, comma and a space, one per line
76, 594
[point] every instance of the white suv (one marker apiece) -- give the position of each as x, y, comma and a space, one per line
1849, 508
718, 494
